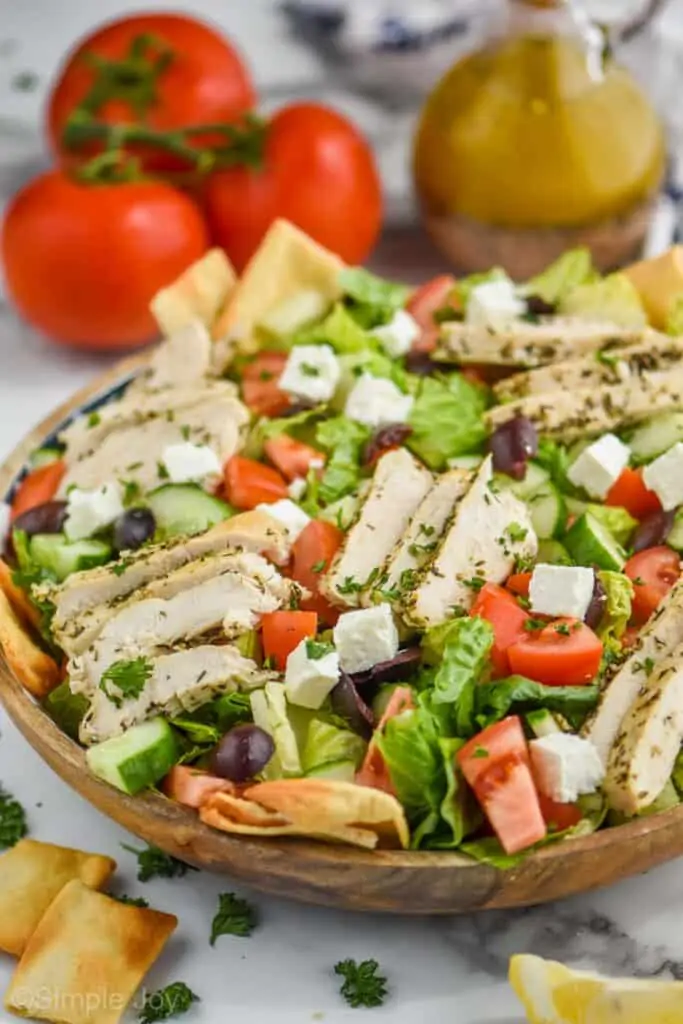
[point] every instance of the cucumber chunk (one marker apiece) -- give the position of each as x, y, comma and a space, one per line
342, 771
675, 536
548, 511
656, 436
590, 543
551, 552
535, 477
185, 509
62, 557
44, 456
138, 759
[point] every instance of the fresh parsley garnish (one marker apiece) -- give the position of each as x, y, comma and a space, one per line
363, 986
319, 567
233, 917
12, 821
533, 625
130, 901
476, 583
317, 649
480, 752
167, 1002
125, 679
185, 432
516, 532
154, 863
162, 472
563, 629
94, 419
349, 586
131, 491
646, 666
309, 370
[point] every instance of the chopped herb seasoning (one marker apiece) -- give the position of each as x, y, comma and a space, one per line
475, 583
162, 472
480, 752
563, 629
533, 625
125, 679
350, 586
309, 370
319, 567
94, 419
185, 432
516, 532
317, 649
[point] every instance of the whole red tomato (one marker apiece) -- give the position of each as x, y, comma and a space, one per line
318, 172
83, 261
166, 70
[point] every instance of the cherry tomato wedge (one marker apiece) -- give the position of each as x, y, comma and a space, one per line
313, 550
500, 608
283, 631
564, 653
519, 583
424, 303
558, 817
38, 487
260, 389
496, 765
248, 483
374, 772
630, 492
292, 458
653, 573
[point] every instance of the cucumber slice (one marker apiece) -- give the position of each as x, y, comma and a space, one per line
675, 537
535, 477
590, 543
61, 557
614, 518
343, 771
656, 436
138, 759
542, 723
551, 552
185, 509
44, 456
299, 310
548, 511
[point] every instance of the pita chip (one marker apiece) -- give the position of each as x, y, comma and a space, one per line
25, 610
200, 293
34, 669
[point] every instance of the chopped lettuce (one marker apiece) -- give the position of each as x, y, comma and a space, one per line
343, 441
327, 743
572, 270
435, 639
619, 590
66, 709
613, 298
300, 426
465, 658
446, 419
674, 323
466, 285
339, 329
375, 363
556, 459
367, 289
494, 701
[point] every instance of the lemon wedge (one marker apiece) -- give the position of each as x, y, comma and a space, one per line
554, 994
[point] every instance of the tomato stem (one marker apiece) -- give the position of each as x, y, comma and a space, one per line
112, 166
133, 79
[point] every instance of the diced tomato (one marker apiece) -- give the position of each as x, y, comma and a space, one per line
283, 631
558, 817
313, 550
630, 492
630, 637
292, 458
497, 767
38, 487
423, 304
374, 772
191, 787
260, 389
653, 573
248, 483
500, 608
565, 653
519, 583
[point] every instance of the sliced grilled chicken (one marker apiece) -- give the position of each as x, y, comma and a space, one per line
230, 603
645, 749
134, 452
250, 531
398, 487
82, 630
571, 414
531, 344
659, 353
178, 682
425, 531
656, 640
489, 532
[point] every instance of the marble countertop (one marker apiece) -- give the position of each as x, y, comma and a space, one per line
440, 971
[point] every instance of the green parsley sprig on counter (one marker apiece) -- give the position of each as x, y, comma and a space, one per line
167, 1002
234, 916
12, 820
154, 863
363, 986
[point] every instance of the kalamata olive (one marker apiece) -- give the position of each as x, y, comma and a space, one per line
653, 531
242, 753
384, 439
297, 407
512, 444
422, 364
537, 306
395, 670
46, 518
134, 528
349, 705
596, 609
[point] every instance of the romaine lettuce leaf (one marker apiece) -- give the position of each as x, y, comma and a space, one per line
446, 419
339, 329
435, 639
613, 298
66, 709
369, 290
570, 271
465, 658
299, 426
409, 744
494, 701
343, 440
375, 363
619, 590
326, 743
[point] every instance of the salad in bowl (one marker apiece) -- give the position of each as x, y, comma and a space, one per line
375, 565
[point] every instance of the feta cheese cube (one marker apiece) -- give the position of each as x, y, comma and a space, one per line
190, 463
377, 402
397, 337
495, 304
366, 637
297, 488
5, 519
293, 518
311, 673
561, 590
87, 512
664, 476
311, 372
600, 465
566, 766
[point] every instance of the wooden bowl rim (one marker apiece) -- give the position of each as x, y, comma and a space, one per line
29, 717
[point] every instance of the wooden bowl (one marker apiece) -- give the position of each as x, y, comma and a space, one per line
334, 876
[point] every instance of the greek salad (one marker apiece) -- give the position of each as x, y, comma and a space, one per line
372, 564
